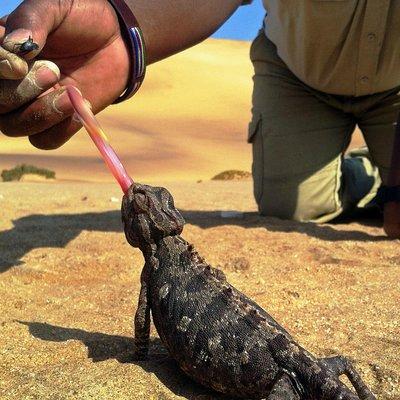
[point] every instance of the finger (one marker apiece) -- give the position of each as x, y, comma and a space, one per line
3, 20
45, 112
56, 136
2, 27
11, 66
14, 94
32, 20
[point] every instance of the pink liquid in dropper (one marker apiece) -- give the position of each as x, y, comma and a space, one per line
99, 138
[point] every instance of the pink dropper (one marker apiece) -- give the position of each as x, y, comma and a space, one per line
99, 138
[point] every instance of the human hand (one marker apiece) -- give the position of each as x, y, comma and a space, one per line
391, 220
79, 44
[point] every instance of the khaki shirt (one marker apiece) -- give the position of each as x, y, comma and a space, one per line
344, 47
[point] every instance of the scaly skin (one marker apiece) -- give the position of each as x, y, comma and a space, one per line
217, 335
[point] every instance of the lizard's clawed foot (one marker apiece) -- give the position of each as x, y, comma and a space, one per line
133, 356
342, 366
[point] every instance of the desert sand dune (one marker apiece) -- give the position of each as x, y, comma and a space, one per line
188, 122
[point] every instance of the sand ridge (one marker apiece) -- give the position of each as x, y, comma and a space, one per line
188, 122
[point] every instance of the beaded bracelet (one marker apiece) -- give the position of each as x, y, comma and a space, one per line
133, 37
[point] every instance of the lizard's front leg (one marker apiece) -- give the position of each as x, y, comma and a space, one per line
283, 389
341, 365
142, 318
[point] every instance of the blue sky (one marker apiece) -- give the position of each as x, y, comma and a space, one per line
243, 25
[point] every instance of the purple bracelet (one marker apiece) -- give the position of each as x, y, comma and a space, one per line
133, 37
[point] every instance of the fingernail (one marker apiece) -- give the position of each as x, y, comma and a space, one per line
88, 103
78, 90
15, 38
62, 103
18, 35
76, 118
45, 77
6, 70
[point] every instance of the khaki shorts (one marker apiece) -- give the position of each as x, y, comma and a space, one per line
299, 138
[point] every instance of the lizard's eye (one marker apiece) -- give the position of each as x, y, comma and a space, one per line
141, 203
160, 217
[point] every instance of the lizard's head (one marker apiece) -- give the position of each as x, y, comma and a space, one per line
149, 214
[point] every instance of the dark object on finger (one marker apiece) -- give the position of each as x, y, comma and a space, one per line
26, 47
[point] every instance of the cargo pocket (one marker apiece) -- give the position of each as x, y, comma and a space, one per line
256, 139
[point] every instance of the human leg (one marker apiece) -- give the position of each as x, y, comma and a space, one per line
298, 143
377, 118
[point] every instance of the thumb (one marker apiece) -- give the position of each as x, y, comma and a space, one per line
2, 27
3, 20
29, 24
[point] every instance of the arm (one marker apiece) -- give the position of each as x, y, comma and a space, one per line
198, 19
82, 45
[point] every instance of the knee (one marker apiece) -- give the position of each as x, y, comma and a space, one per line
292, 187
297, 201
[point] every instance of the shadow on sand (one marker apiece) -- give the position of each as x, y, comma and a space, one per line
43, 231
56, 231
102, 347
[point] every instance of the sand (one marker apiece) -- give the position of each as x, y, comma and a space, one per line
69, 283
